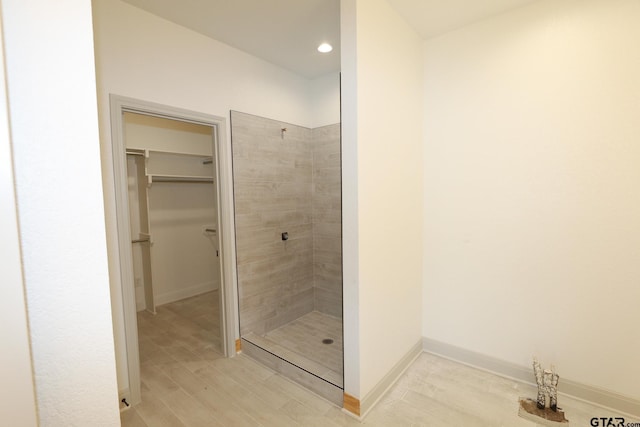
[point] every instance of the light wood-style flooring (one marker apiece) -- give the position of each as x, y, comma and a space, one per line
186, 382
191, 324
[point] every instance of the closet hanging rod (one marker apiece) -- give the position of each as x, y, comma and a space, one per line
210, 230
134, 153
178, 178
141, 240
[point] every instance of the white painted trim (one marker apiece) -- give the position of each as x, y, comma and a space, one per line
594, 395
183, 293
125, 252
373, 396
479, 361
229, 322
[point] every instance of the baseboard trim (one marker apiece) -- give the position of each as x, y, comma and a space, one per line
601, 397
372, 397
180, 294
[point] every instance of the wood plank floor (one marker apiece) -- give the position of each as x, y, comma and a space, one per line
186, 382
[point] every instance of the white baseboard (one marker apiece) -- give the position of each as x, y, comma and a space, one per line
597, 396
183, 293
372, 397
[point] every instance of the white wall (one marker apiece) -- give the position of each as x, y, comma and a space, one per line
183, 257
325, 100
531, 189
17, 402
382, 172
142, 56
51, 86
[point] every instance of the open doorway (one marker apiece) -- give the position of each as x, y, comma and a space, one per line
175, 235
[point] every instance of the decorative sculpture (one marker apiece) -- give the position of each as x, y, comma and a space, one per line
538, 411
547, 381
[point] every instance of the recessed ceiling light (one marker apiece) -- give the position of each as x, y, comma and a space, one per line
325, 48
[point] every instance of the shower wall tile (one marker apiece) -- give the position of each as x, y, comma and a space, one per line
321, 256
273, 183
327, 220
273, 219
327, 229
323, 214
328, 302
286, 182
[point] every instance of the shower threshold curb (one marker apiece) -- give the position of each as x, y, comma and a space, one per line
317, 385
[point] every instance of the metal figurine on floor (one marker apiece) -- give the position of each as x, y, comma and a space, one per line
537, 410
547, 381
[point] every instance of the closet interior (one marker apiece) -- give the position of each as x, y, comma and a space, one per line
173, 208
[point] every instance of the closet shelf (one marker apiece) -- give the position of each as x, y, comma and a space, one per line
178, 178
149, 152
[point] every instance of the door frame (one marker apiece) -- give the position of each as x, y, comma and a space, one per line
224, 182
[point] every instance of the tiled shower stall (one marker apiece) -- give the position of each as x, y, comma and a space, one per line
287, 190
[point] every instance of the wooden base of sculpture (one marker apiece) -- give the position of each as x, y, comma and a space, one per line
529, 410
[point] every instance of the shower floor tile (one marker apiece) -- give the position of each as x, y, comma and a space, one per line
301, 343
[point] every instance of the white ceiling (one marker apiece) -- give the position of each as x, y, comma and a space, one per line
287, 32
283, 32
